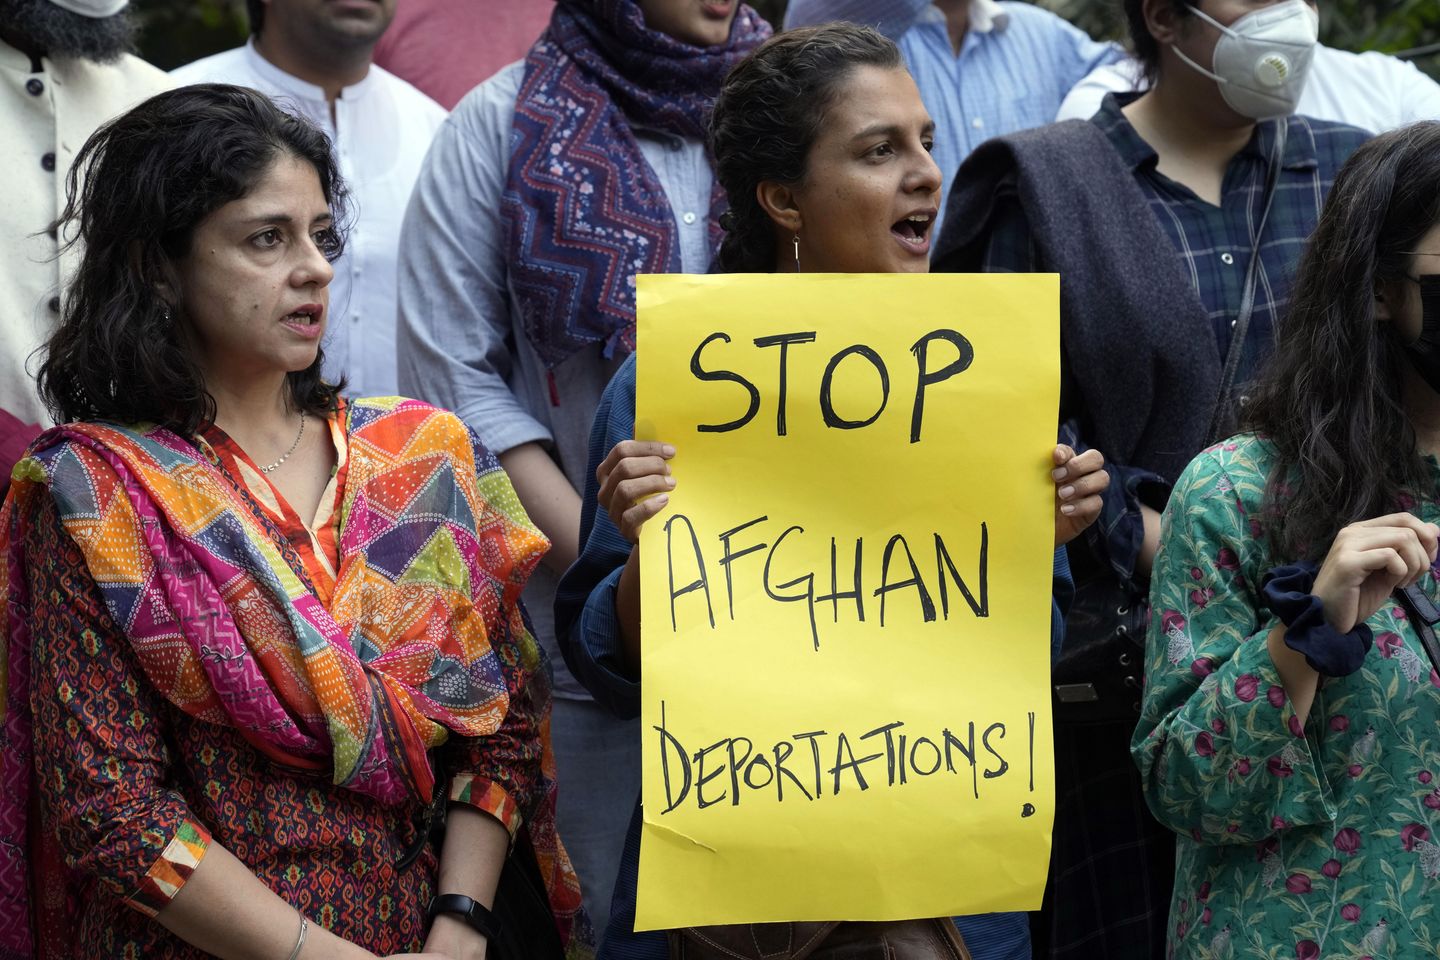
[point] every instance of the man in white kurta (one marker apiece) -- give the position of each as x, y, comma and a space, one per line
315, 60
63, 72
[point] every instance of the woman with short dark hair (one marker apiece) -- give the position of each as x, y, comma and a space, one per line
1292, 703
260, 636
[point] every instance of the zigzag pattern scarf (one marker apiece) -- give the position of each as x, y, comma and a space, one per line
583, 211
212, 607
418, 638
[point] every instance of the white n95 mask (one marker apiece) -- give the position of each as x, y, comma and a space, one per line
95, 9
1262, 59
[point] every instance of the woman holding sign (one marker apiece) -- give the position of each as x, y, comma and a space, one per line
822, 144
1291, 725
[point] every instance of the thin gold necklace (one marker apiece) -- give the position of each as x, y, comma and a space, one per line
293, 446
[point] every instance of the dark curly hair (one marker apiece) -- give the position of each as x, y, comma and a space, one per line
1331, 399
136, 192
1146, 50
255, 10
770, 109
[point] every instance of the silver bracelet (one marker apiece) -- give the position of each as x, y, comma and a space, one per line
300, 940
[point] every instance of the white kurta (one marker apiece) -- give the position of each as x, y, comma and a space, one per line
381, 132
47, 112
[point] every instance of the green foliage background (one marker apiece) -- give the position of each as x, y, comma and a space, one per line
178, 31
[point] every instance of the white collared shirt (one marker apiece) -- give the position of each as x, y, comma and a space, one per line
1013, 68
382, 130
48, 109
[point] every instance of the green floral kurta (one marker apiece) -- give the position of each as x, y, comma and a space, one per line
1305, 844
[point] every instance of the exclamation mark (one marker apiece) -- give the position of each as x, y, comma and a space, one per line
1028, 810
1032, 751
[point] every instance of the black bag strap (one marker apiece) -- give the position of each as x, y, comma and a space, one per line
1424, 616
1220, 416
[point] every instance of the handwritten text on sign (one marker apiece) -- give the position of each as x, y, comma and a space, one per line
846, 604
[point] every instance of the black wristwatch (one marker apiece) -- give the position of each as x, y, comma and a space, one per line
481, 920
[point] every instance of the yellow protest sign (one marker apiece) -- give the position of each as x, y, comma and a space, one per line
846, 603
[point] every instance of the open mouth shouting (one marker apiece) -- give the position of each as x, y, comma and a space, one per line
913, 231
305, 320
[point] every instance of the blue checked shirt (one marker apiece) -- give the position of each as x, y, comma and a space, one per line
1215, 246
1015, 66
588, 628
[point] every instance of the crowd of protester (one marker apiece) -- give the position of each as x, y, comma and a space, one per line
322, 503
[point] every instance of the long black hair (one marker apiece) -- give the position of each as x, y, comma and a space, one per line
136, 192
1331, 400
769, 112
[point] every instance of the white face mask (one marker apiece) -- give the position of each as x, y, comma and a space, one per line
95, 9
1261, 60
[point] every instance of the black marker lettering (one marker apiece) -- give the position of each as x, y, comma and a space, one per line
701, 373
925, 378
967, 750
1032, 751
769, 771
667, 739
836, 594
702, 778
827, 408
927, 606
943, 563
985, 739
783, 749
783, 341
808, 579
700, 583
915, 765
815, 752
842, 750
727, 558
888, 731
736, 765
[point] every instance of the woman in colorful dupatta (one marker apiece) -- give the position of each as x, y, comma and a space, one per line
257, 635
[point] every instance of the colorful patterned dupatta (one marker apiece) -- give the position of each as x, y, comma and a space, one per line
421, 632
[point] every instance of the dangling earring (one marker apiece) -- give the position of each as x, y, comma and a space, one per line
165, 312
797, 253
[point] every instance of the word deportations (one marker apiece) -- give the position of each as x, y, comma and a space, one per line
898, 571
815, 764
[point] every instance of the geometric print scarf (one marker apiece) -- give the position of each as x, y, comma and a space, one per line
434, 553
229, 631
583, 211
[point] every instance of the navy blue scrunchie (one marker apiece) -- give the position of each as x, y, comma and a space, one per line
1329, 652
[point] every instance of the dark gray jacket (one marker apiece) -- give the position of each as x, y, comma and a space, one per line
1140, 361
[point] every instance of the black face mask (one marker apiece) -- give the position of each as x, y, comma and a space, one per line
1425, 351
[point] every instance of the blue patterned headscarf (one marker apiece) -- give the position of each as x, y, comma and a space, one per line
583, 210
